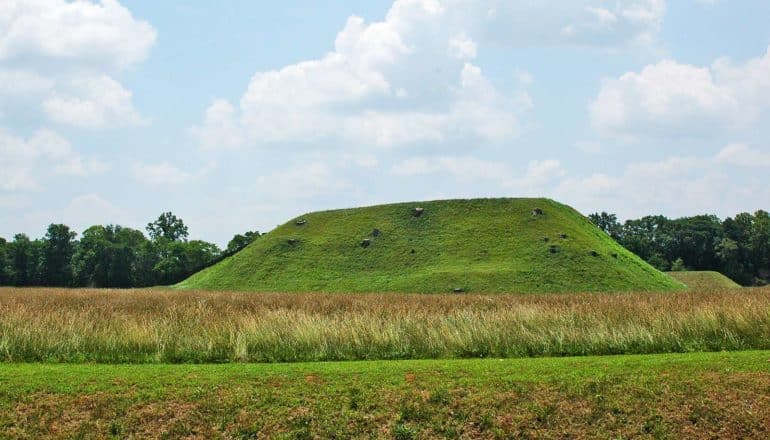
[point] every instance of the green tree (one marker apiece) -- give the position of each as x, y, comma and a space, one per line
695, 241
729, 252
5, 270
240, 241
108, 256
58, 248
24, 256
607, 223
759, 243
168, 227
678, 265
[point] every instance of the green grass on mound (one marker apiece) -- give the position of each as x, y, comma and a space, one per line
697, 395
705, 280
480, 245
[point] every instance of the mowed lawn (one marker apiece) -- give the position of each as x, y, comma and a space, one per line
695, 395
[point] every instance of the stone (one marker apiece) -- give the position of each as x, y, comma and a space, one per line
366, 243
292, 241
417, 212
458, 290
376, 232
553, 249
536, 212
563, 236
300, 222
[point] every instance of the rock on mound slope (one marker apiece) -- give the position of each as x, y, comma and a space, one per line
479, 245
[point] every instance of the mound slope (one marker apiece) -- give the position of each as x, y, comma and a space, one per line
705, 280
479, 245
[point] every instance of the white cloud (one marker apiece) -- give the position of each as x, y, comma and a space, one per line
303, 181
743, 156
462, 47
23, 160
409, 78
462, 168
590, 147
60, 59
72, 33
98, 102
80, 167
604, 17
17, 178
539, 174
219, 129
535, 179
160, 174
669, 98
587, 23
91, 209
79, 213
19, 82
673, 186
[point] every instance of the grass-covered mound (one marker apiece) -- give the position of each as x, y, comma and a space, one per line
479, 245
705, 280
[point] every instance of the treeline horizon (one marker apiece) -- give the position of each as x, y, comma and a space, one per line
121, 257
111, 256
738, 247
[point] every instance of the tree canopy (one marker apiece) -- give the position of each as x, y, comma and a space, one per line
739, 246
110, 256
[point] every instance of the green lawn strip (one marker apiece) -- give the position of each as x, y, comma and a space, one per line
404, 399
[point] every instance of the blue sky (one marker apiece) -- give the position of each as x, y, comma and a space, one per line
239, 115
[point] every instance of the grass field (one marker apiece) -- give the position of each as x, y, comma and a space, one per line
705, 280
713, 395
156, 326
479, 246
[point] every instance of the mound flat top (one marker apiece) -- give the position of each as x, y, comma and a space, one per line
478, 245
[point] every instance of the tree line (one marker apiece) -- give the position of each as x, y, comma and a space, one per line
117, 256
738, 247
111, 256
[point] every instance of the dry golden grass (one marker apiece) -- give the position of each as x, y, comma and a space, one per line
85, 325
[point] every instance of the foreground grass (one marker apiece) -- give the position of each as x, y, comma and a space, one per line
712, 395
183, 327
479, 245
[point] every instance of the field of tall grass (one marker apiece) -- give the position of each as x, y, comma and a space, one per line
157, 326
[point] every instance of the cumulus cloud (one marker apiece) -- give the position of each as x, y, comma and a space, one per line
670, 98
160, 174
743, 156
22, 159
585, 23
303, 181
72, 33
462, 168
412, 78
537, 176
80, 212
677, 185
62, 58
97, 102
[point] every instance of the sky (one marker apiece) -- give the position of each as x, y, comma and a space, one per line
240, 115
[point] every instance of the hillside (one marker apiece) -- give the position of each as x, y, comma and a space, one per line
705, 280
479, 245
